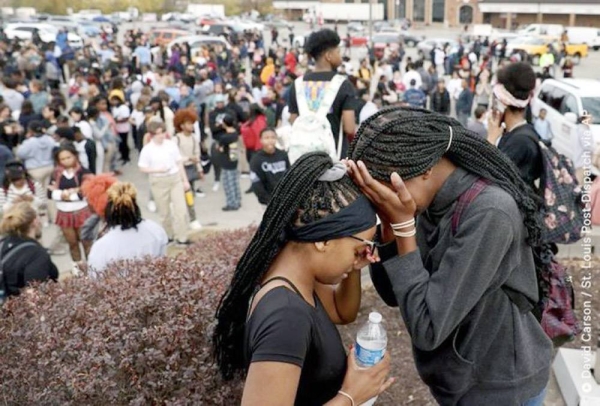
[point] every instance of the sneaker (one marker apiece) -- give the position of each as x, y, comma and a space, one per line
195, 225
200, 193
152, 206
249, 191
216, 186
183, 243
245, 175
229, 208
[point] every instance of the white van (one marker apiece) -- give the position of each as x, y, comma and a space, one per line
565, 100
584, 35
550, 30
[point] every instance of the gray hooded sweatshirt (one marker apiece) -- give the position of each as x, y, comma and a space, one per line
472, 345
37, 151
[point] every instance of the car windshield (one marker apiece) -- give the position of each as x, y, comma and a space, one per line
592, 106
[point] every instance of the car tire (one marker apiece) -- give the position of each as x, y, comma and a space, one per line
410, 44
596, 48
577, 58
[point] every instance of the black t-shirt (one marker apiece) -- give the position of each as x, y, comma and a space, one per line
522, 149
266, 170
345, 100
228, 150
285, 328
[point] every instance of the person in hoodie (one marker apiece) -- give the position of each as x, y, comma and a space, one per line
267, 166
11, 97
463, 274
36, 152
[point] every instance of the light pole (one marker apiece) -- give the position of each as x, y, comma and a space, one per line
371, 22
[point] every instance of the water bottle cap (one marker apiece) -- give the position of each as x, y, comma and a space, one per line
375, 317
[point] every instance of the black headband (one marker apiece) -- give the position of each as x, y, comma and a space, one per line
355, 218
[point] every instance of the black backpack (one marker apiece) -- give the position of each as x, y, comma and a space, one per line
3, 260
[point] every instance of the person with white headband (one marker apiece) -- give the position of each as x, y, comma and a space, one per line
457, 229
507, 125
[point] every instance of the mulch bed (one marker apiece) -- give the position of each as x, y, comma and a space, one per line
408, 388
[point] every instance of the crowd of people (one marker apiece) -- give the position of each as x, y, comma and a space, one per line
71, 121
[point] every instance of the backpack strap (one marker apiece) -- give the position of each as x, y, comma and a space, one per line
465, 200
331, 91
301, 96
14, 251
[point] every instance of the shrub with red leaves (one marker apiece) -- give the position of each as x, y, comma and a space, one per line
139, 335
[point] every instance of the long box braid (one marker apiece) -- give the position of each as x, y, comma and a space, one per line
410, 141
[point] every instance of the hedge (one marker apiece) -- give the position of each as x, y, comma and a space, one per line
139, 335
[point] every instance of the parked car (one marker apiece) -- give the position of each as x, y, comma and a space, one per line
102, 19
221, 29
24, 31
279, 23
535, 47
565, 100
425, 47
163, 36
355, 27
411, 40
198, 41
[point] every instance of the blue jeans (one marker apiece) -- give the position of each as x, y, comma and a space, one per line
536, 401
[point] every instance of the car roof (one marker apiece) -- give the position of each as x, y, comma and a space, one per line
195, 38
581, 87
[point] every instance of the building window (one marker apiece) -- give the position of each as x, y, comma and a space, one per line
400, 8
419, 10
438, 14
465, 15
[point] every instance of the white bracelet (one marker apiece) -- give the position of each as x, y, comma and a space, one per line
406, 224
410, 233
348, 396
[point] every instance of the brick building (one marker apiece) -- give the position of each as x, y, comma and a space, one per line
512, 13
499, 13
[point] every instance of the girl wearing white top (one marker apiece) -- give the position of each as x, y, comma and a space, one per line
161, 159
72, 208
129, 236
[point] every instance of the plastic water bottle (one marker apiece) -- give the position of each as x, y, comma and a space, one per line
371, 342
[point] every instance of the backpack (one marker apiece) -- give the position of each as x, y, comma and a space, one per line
311, 131
3, 261
563, 197
555, 308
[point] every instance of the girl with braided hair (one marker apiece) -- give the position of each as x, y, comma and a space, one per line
299, 276
464, 274
129, 236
